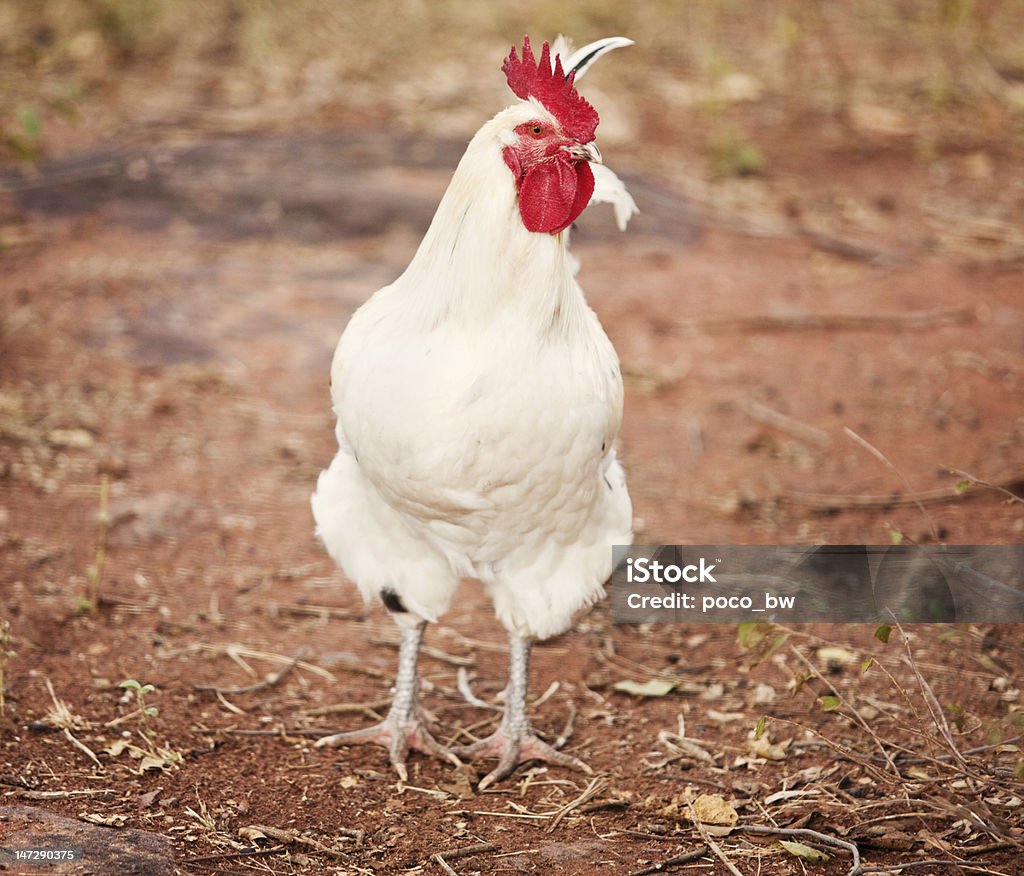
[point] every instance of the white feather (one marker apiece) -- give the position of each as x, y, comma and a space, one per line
582, 59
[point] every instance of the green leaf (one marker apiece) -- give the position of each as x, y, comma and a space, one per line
750, 633
130, 684
803, 851
29, 122
830, 703
152, 711
867, 664
882, 634
760, 727
777, 643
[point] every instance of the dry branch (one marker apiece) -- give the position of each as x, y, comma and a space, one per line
271, 680
595, 787
911, 320
882, 458
477, 849
777, 420
829, 501
674, 861
808, 834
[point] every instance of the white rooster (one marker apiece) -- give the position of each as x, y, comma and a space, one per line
478, 400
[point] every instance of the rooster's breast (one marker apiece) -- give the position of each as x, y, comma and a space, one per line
487, 437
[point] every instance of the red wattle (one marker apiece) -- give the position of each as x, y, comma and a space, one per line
554, 193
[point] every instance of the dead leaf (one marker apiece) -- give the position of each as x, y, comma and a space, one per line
715, 814
726, 717
149, 798
656, 687
460, 786
117, 747
104, 820
836, 655
252, 834
803, 851
153, 762
764, 747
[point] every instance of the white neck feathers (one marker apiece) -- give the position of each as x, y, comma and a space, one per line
477, 262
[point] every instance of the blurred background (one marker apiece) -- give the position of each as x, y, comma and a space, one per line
717, 89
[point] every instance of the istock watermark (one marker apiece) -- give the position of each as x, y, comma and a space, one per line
810, 583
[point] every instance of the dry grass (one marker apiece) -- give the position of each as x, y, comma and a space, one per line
932, 75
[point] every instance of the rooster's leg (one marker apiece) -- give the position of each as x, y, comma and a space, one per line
405, 726
515, 742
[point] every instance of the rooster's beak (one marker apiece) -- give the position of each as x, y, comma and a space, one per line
584, 152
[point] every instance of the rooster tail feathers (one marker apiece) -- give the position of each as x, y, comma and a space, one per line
577, 62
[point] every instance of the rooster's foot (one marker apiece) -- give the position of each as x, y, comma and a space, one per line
513, 749
398, 736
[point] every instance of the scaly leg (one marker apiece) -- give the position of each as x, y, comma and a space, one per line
514, 742
405, 726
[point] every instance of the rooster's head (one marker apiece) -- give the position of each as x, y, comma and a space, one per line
548, 151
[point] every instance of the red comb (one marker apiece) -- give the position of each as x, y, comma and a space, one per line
528, 78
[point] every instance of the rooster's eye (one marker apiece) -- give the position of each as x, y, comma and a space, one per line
536, 130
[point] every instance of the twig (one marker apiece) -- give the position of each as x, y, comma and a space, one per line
231, 707
66, 795
429, 651
710, 843
445, 866
353, 664
935, 862
595, 787
856, 715
848, 249
826, 501
323, 611
881, 457
777, 420
477, 849
567, 730
238, 652
295, 837
368, 709
282, 732
934, 708
980, 749
272, 679
978, 482
675, 861
235, 856
806, 833
463, 684
94, 574
82, 747
908, 320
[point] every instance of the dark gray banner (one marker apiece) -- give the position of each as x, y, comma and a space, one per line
831, 583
